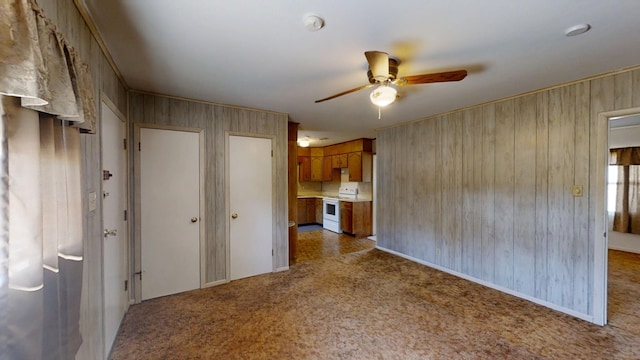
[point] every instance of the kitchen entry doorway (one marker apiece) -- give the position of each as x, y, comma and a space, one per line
170, 213
250, 204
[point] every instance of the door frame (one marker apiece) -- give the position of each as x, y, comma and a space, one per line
106, 101
227, 212
600, 261
137, 245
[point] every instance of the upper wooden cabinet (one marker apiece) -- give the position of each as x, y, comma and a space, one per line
323, 163
339, 161
327, 169
316, 168
305, 168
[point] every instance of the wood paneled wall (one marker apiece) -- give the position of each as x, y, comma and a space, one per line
486, 191
70, 23
216, 120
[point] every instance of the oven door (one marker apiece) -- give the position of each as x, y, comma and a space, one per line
331, 210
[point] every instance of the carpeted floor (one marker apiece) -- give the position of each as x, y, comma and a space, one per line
373, 305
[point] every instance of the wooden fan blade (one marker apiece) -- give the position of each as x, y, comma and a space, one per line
344, 93
378, 64
455, 75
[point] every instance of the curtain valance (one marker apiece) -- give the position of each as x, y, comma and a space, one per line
624, 156
39, 66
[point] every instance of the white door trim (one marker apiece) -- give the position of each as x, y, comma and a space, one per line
137, 259
601, 242
228, 200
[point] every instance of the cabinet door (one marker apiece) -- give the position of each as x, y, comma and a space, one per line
319, 213
302, 211
346, 216
327, 169
305, 168
311, 210
355, 166
339, 161
316, 168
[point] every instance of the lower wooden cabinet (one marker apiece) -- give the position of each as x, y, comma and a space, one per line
308, 211
356, 218
319, 214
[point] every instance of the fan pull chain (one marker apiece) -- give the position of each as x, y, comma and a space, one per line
379, 111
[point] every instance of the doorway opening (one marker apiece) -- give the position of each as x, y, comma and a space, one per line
609, 126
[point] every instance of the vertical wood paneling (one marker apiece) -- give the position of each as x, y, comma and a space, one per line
542, 196
439, 196
412, 223
504, 185
477, 126
524, 195
488, 193
429, 197
448, 205
583, 273
499, 206
216, 120
468, 192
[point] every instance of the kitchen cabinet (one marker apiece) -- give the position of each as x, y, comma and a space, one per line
302, 211
316, 168
346, 217
319, 213
327, 169
356, 218
305, 168
307, 211
360, 166
339, 161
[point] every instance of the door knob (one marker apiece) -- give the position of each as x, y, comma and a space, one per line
234, 216
194, 219
110, 232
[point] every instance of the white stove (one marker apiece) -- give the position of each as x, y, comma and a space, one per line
331, 208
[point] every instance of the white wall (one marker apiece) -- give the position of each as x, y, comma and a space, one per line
624, 137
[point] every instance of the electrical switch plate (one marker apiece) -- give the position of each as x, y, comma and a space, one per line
576, 190
93, 201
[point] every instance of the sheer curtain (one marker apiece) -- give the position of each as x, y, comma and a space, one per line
627, 201
46, 100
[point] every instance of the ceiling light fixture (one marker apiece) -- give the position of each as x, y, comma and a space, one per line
577, 29
303, 143
383, 95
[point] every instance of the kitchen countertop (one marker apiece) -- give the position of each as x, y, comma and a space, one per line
333, 197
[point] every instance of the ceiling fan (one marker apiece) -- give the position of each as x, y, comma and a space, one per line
383, 72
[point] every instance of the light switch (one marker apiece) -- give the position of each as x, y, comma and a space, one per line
93, 201
576, 190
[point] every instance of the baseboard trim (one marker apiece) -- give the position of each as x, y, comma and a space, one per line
623, 248
544, 303
284, 268
214, 283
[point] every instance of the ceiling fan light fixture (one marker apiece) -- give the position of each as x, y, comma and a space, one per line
303, 143
383, 95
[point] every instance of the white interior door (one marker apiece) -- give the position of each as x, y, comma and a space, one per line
114, 204
251, 206
169, 211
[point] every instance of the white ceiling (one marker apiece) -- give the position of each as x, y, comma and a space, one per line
258, 54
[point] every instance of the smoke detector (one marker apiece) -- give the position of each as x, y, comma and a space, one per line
313, 22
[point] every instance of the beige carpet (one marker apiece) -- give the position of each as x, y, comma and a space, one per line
368, 305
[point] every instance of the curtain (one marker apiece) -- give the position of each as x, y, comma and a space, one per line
627, 206
46, 101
